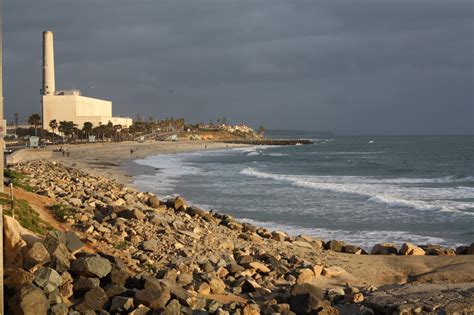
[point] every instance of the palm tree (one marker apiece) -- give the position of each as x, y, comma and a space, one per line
87, 128
67, 128
35, 120
117, 129
53, 124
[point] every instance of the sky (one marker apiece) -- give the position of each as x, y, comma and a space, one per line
346, 66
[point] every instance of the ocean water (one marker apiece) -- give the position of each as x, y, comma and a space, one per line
363, 190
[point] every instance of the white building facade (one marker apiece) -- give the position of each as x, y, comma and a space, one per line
71, 105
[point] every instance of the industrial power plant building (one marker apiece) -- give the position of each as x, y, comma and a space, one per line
71, 105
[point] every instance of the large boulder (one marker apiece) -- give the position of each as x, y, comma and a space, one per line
353, 249
470, 250
94, 299
29, 300
91, 266
131, 214
48, 279
410, 249
53, 238
73, 242
121, 304
308, 299
83, 284
153, 202
15, 277
35, 255
59, 257
12, 243
334, 245
384, 249
305, 275
154, 298
438, 250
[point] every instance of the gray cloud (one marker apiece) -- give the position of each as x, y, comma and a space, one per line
348, 66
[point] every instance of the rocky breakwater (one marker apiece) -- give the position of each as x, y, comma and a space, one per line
167, 257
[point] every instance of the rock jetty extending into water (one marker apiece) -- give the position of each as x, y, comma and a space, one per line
132, 253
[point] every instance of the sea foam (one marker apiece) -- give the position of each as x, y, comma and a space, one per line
390, 192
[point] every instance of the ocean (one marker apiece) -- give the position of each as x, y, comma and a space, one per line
363, 190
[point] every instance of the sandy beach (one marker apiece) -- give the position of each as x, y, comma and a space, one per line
115, 160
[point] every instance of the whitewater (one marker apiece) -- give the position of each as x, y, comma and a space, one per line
359, 189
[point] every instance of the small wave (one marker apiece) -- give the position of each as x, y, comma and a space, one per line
253, 153
438, 180
277, 154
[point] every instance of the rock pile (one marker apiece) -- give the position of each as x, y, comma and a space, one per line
170, 257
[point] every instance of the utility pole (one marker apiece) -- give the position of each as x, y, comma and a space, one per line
2, 302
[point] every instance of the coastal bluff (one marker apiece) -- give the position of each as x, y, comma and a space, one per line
126, 251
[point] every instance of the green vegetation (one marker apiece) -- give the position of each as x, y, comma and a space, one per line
18, 179
25, 215
62, 212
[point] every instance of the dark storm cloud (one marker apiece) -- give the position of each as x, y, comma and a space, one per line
347, 66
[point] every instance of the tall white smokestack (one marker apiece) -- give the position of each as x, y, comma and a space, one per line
49, 84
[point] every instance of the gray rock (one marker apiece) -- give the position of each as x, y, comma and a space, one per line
154, 298
48, 279
334, 245
83, 284
384, 249
29, 300
470, 250
60, 257
73, 242
308, 299
91, 266
54, 238
94, 299
35, 255
121, 304
119, 275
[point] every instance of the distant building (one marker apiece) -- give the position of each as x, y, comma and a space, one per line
71, 105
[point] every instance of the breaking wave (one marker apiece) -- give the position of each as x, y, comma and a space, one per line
385, 191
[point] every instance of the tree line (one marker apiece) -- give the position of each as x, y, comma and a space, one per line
70, 131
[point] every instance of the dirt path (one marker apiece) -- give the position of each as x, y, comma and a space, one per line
41, 205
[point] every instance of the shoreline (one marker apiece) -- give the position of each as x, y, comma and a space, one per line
115, 160
96, 160
204, 255
184, 247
